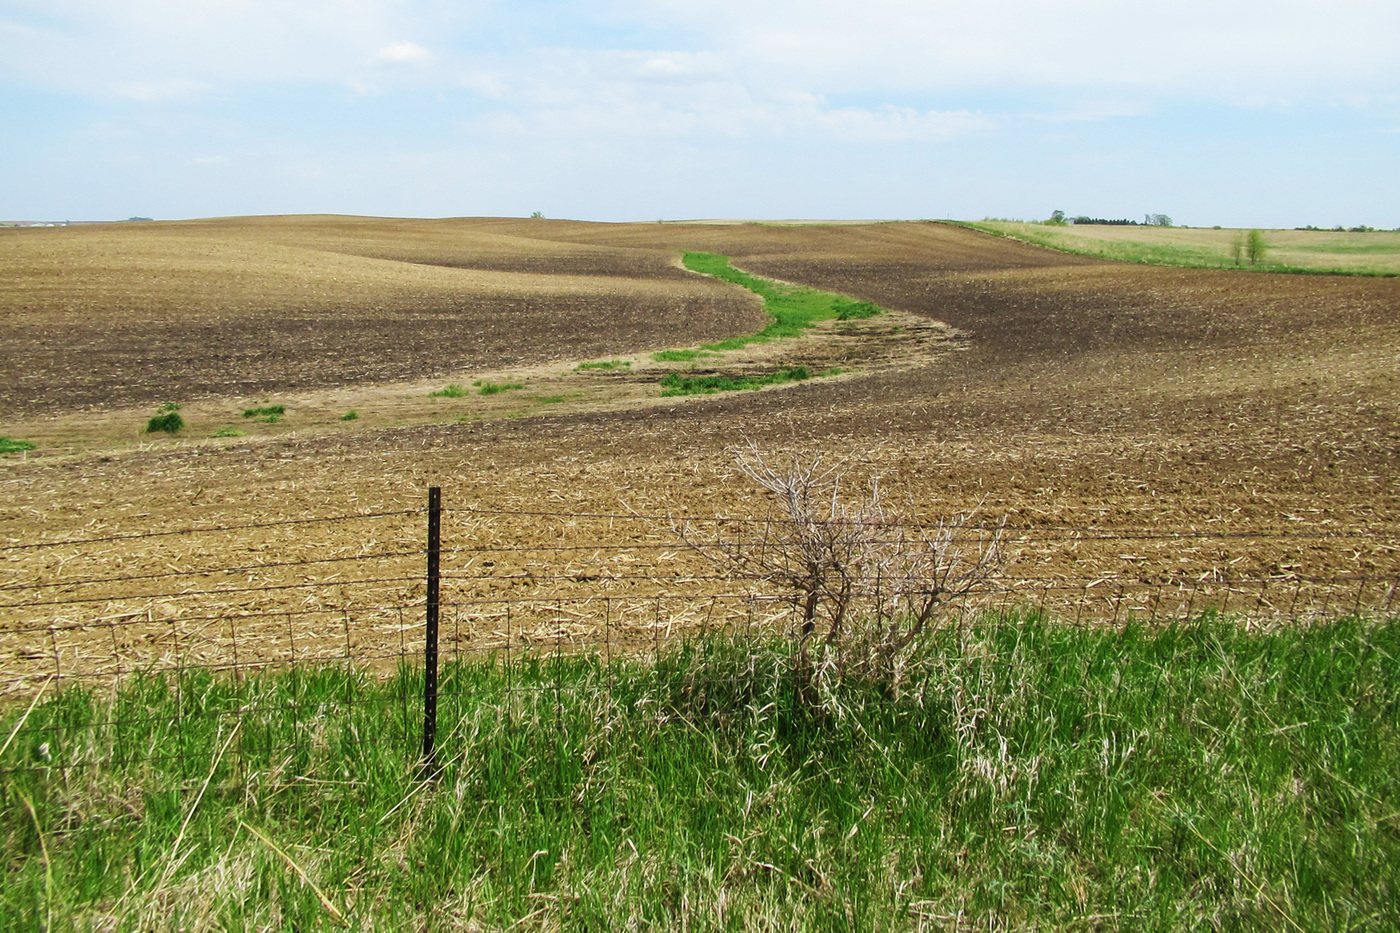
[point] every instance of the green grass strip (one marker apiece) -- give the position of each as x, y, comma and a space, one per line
681, 356
677, 384
1025, 775
793, 308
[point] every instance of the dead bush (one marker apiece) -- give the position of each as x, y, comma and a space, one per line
868, 585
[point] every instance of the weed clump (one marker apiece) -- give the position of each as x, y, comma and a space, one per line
605, 365
167, 421
680, 356
451, 391
230, 431
496, 388
676, 384
9, 445
268, 414
350, 415
850, 310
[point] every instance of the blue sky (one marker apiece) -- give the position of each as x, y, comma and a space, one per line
1235, 113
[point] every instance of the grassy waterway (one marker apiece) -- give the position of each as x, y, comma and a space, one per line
793, 310
1027, 775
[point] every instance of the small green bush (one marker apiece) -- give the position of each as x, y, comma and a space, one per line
170, 423
9, 445
451, 391
267, 411
351, 415
495, 388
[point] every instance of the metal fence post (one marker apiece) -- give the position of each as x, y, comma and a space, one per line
430, 646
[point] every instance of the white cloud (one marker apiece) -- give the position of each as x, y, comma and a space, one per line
887, 124
580, 95
167, 89
100, 47
1092, 111
402, 53
534, 86
1198, 47
889, 50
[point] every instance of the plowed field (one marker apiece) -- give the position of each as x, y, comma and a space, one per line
1256, 414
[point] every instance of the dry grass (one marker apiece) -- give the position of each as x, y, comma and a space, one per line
1376, 252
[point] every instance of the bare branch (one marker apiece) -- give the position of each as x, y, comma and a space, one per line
866, 585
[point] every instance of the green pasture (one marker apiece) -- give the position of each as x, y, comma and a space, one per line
1376, 252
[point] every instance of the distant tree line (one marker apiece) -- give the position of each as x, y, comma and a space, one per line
1340, 229
1151, 220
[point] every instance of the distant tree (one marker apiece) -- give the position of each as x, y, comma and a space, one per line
1237, 248
1255, 247
1057, 219
1158, 220
537, 216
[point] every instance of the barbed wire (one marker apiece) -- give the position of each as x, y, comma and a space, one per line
223, 591
667, 520
34, 545
206, 571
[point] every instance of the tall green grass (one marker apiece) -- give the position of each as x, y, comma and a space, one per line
1025, 775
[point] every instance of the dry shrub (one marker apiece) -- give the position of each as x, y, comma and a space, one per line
868, 585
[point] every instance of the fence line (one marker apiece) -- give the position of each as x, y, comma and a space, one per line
526, 583
34, 545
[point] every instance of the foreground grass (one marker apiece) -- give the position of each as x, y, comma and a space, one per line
1297, 251
1025, 776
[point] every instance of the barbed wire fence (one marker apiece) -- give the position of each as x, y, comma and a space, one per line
405, 592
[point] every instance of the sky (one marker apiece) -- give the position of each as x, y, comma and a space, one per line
1214, 112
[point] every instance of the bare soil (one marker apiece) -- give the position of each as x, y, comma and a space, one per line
96, 318
1137, 426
